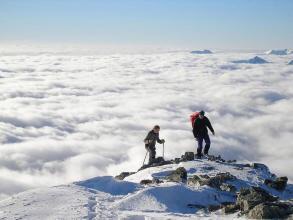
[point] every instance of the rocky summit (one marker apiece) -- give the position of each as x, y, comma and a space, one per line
181, 188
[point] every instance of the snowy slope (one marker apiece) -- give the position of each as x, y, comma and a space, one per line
279, 52
108, 198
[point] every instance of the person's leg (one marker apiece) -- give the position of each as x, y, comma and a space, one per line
208, 144
152, 154
199, 146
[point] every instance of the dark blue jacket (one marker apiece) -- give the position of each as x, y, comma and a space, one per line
200, 127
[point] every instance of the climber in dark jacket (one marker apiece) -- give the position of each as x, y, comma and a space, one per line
150, 143
200, 133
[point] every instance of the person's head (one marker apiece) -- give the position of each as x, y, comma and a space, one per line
156, 129
201, 114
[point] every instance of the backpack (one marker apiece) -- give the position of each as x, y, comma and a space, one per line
193, 117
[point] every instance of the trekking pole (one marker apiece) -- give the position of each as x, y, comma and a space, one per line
145, 158
163, 150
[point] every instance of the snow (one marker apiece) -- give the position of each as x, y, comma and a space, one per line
106, 198
279, 52
254, 60
108, 184
173, 199
47, 203
201, 52
69, 117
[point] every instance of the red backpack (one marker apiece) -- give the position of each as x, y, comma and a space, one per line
193, 117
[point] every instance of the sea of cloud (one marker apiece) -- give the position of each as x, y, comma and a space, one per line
65, 118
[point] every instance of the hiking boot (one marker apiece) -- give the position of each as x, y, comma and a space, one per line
198, 156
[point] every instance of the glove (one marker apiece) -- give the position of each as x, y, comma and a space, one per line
213, 133
163, 141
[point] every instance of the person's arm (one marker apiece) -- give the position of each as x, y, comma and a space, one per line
160, 141
147, 138
208, 123
195, 130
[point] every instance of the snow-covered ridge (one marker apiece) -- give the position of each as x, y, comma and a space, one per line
151, 192
254, 60
279, 52
201, 52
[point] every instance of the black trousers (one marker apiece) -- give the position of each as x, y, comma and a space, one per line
152, 153
200, 139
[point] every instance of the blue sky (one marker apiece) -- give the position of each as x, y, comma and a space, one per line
233, 24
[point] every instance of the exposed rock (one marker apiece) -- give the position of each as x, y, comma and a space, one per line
188, 156
122, 175
219, 179
259, 166
231, 208
215, 181
248, 198
146, 182
178, 175
176, 160
214, 158
279, 184
157, 181
227, 203
194, 181
228, 187
246, 165
212, 208
231, 161
271, 210
225, 176
204, 176
158, 162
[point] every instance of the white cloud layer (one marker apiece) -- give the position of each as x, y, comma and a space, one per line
70, 117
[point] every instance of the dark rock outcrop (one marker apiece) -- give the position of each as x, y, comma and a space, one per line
228, 187
215, 158
195, 180
259, 166
178, 175
146, 182
212, 208
122, 175
159, 161
279, 184
271, 210
217, 181
250, 197
188, 156
157, 181
231, 208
